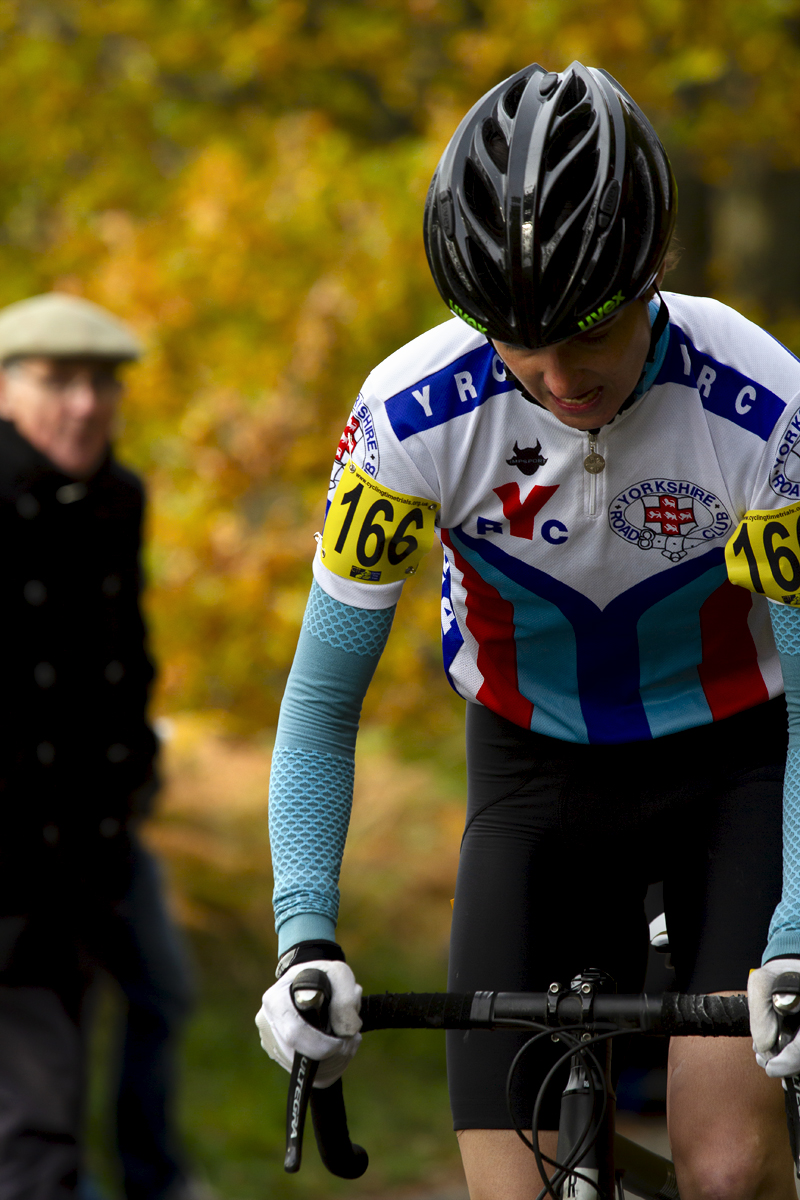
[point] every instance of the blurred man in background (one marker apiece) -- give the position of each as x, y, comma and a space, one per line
78, 891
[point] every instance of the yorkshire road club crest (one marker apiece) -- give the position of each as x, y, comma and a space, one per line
784, 477
670, 515
358, 442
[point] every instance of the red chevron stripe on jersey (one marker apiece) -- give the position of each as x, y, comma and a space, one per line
729, 672
490, 620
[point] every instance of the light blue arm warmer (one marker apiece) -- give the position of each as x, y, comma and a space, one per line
784, 930
311, 787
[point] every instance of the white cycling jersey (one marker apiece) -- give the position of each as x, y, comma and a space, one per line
585, 591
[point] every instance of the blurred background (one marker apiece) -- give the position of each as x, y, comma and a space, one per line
243, 181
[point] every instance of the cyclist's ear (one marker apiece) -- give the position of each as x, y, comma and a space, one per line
650, 294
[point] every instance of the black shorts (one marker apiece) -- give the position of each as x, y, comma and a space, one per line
561, 842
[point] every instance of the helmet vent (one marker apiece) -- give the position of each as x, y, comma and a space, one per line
482, 204
446, 213
653, 151
644, 205
570, 190
496, 144
513, 96
572, 94
560, 258
603, 279
457, 267
569, 134
490, 280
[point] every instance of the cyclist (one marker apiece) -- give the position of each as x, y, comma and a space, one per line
602, 464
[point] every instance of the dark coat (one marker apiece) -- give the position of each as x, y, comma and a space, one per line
76, 751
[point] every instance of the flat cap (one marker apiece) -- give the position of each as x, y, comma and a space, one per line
56, 325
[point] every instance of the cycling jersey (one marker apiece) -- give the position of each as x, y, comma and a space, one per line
584, 595
589, 605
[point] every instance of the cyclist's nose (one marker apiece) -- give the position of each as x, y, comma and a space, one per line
561, 375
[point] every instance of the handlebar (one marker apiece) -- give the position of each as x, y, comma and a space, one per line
672, 1014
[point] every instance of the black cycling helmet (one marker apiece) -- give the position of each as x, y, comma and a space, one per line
551, 208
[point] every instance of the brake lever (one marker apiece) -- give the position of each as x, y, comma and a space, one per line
786, 1002
311, 995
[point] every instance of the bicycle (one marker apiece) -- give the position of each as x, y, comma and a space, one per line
592, 1161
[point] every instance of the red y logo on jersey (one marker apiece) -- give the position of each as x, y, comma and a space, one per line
522, 513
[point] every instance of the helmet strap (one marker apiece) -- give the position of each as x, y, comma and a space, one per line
658, 327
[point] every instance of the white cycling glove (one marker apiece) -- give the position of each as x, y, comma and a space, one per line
284, 1032
764, 1020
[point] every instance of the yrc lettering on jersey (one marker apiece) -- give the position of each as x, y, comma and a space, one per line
374, 534
723, 390
670, 515
358, 443
764, 553
784, 477
458, 388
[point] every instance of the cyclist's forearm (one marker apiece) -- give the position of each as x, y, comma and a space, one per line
311, 787
784, 932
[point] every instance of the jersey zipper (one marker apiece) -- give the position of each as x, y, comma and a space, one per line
593, 464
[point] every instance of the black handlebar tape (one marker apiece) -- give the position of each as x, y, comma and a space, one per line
672, 1014
341, 1156
303, 1071
417, 1010
705, 1016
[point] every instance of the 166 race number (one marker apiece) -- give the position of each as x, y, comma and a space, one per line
764, 553
374, 534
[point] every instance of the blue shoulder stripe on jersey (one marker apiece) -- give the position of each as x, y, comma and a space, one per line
606, 640
723, 390
462, 385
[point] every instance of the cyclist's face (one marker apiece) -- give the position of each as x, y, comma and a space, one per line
586, 380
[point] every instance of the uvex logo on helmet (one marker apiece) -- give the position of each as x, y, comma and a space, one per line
602, 312
466, 317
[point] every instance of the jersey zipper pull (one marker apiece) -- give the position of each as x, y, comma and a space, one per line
593, 464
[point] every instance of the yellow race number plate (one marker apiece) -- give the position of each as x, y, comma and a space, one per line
763, 554
374, 534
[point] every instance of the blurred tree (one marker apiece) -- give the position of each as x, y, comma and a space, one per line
243, 180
